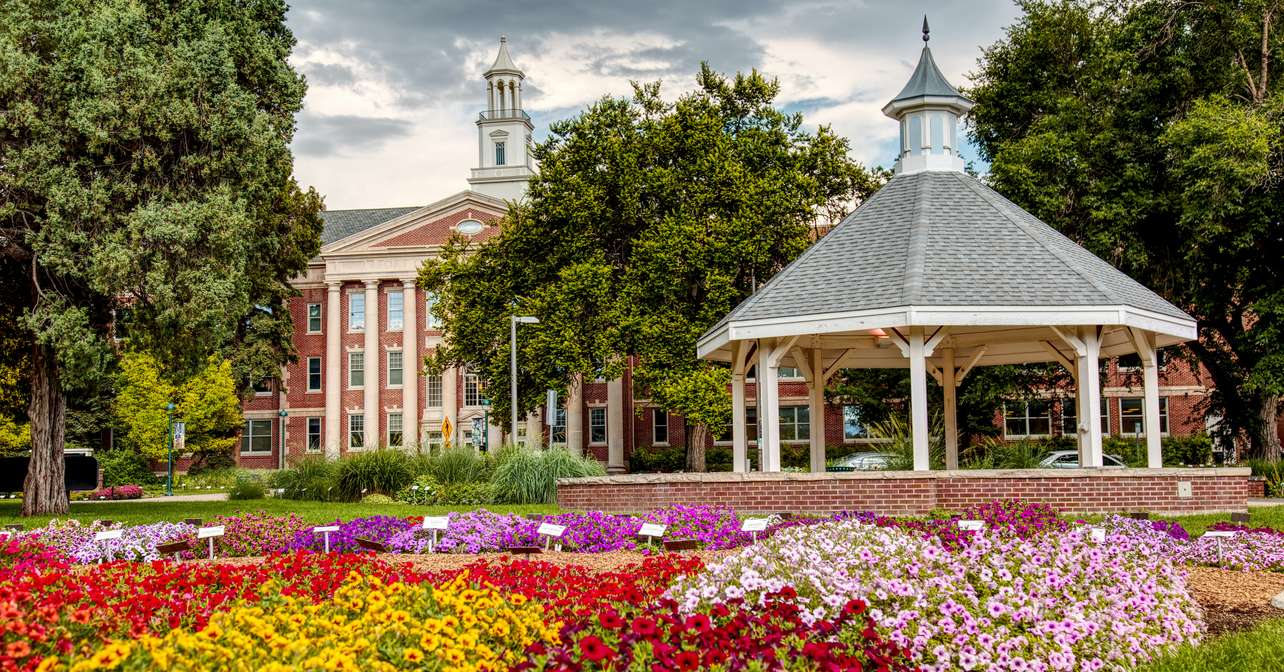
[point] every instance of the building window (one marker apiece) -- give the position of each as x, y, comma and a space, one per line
356, 369
257, 436
659, 426
314, 435
1026, 418
356, 312
396, 311
433, 311
432, 397
853, 426
521, 434
795, 423
557, 431
786, 372
262, 386
394, 430
433, 439
356, 431
597, 425
472, 390
499, 154
1070, 418
314, 374
394, 368
751, 426
1132, 416
314, 318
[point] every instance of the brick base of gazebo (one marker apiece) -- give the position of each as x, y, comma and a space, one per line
1161, 491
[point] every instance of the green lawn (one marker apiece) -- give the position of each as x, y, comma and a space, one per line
136, 513
1258, 650
1268, 516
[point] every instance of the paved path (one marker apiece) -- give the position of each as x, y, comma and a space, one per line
1274, 501
210, 497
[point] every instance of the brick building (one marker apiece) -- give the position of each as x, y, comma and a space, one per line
361, 326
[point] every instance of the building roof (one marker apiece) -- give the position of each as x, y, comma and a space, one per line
503, 62
927, 80
340, 224
940, 238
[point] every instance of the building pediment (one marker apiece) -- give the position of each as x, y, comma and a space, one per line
421, 229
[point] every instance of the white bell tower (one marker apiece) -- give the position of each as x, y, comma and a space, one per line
504, 164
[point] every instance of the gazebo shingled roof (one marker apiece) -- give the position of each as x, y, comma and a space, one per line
939, 273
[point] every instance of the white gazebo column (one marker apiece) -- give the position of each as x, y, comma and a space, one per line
575, 415
948, 382
816, 408
1144, 341
333, 369
615, 426
1090, 394
373, 365
409, 365
769, 411
918, 400
739, 424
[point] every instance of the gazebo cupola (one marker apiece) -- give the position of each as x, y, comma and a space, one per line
939, 274
928, 109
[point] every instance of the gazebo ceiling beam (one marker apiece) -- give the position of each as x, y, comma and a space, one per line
967, 368
802, 361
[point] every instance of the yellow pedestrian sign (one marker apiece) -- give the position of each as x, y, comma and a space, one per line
446, 430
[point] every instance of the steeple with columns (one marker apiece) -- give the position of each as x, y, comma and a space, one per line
504, 165
928, 109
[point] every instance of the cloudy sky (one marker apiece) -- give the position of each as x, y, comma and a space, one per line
395, 85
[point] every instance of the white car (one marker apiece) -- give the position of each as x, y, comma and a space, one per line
1069, 459
864, 461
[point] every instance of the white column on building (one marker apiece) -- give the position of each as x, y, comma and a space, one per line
409, 365
615, 426
450, 403
918, 400
739, 424
374, 364
575, 415
816, 407
333, 369
534, 430
769, 412
1145, 344
951, 409
1090, 388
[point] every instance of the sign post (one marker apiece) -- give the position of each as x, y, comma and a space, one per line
169, 478
651, 531
435, 523
325, 531
210, 533
486, 425
108, 535
753, 526
550, 532
446, 430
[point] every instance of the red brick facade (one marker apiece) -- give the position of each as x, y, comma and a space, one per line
914, 493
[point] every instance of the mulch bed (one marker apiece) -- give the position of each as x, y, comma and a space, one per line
445, 561
1234, 600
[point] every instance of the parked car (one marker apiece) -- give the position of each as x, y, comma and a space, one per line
1069, 459
864, 462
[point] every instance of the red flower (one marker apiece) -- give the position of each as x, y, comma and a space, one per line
593, 648
644, 627
698, 622
610, 619
687, 660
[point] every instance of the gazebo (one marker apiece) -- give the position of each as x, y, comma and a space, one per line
940, 274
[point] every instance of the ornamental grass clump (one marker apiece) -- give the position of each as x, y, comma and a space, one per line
1056, 601
530, 476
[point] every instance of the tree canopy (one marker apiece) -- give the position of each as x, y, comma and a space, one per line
206, 402
1151, 133
146, 185
649, 220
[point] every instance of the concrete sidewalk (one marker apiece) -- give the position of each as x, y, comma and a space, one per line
211, 497
1260, 503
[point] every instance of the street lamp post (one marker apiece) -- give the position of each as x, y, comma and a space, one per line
512, 326
280, 429
169, 449
485, 425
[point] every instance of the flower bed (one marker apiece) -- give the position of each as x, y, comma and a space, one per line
119, 492
1057, 600
1247, 549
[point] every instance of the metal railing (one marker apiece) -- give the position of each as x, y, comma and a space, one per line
490, 115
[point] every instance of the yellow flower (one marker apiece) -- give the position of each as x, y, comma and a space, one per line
453, 656
430, 641
413, 655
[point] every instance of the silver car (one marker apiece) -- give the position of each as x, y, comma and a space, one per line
1069, 459
865, 461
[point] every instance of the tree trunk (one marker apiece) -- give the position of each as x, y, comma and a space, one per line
695, 447
1268, 441
45, 490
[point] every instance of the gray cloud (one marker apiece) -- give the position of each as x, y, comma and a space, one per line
328, 135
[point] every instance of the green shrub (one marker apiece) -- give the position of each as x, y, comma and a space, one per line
378, 471
1195, 450
1272, 471
530, 477
247, 486
376, 499
994, 453
427, 491
659, 459
220, 479
125, 467
313, 478
458, 465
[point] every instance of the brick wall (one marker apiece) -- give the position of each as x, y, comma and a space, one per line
1071, 491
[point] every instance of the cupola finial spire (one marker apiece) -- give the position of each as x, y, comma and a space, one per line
927, 31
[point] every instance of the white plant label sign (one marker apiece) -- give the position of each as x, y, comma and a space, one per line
971, 525
108, 535
551, 530
1219, 534
209, 532
436, 522
652, 530
754, 525
326, 528
1098, 534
